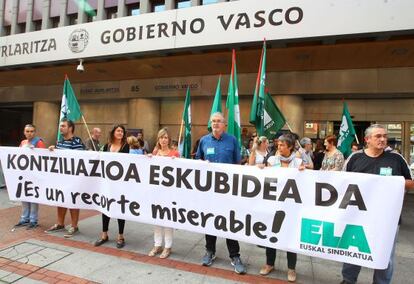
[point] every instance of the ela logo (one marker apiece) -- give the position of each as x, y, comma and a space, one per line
317, 232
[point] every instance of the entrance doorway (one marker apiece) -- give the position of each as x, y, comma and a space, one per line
320, 129
12, 120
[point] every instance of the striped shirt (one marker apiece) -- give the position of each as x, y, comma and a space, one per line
74, 143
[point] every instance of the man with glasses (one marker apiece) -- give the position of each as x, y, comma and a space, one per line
375, 160
220, 147
30, 210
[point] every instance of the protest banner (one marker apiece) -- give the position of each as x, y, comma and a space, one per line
332, 215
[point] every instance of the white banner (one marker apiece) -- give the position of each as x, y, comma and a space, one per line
208, 25
333, 215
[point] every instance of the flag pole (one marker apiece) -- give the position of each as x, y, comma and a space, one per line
356, 138
181, 132
89, 133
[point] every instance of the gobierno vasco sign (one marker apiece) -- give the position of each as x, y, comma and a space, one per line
219, 24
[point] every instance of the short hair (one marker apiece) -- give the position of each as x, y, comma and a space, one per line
30, 126
70, 123
304, 141
369, 130
331, 139
162, 132
112, 134
133, 142
289, 140
217, 114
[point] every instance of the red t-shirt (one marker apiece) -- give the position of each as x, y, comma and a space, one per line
171, 153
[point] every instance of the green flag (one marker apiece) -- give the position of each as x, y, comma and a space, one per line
232, 103
86, 7
186, 153
216, 107
69, 107
273, 117
257, 108
346, 133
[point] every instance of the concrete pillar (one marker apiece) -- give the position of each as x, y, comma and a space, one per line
293, 109
145, 114
144, 6
46, 119
169, 4
195, 2
122, 9
29, 17
2, 6
101, 13
64, 18
15, 13
82, 16
46, 20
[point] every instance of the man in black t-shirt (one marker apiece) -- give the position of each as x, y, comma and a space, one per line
375, 160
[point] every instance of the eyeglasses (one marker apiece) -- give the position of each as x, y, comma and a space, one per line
378, 136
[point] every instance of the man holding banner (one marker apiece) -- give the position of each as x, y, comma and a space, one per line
30, 209
374, 160
69, 142
220, 147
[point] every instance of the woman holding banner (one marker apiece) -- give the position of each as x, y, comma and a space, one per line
164, 150
117, 144
286, 158
259, 152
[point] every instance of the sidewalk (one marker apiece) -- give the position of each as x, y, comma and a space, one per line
36, 257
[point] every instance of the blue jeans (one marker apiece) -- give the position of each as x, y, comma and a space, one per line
29, 212
381, 276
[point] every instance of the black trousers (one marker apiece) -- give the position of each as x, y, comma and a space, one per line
105, 224
271, 257
232, 246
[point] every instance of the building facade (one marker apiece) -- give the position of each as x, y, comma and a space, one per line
140, 56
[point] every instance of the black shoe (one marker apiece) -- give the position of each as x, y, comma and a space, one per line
120, 243
100, 242
32, 226
21, 224
345, 282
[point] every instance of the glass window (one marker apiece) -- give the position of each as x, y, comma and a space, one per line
206, 2
111, 12
394, 135
37, 25
73, 19
133, 9
55, 22
159, 8
183, 4
318, 129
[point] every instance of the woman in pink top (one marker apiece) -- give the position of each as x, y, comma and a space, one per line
163, 149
